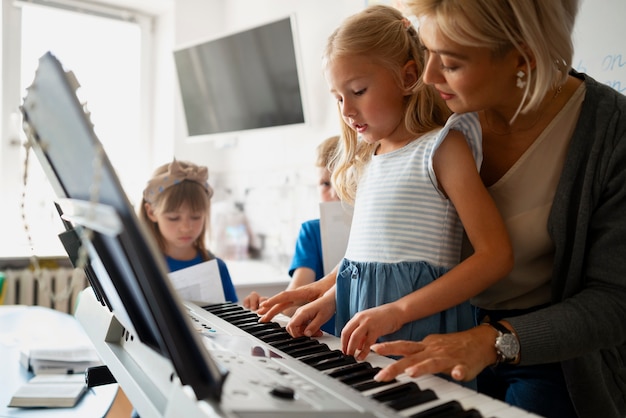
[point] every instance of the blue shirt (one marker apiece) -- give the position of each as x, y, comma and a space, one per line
308, 253
227, 283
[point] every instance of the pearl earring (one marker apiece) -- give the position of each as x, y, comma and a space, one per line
520, 83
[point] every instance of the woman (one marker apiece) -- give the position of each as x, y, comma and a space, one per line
554, 145
555, 151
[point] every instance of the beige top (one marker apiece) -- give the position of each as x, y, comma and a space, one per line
524, 196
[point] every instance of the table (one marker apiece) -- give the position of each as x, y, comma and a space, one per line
20, 324
264, 278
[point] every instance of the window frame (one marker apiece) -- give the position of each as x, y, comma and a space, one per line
11, 137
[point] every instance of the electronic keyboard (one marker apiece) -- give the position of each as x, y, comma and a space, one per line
272, 374
180, 359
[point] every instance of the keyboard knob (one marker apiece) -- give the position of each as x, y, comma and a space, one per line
283, 392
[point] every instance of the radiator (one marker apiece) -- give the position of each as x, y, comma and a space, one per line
56, 288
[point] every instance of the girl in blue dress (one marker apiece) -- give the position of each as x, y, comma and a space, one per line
412, 172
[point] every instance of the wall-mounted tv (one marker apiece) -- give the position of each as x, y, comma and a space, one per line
246, 80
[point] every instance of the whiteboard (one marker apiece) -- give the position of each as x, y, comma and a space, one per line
600, 42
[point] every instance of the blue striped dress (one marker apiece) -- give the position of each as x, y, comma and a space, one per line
404, 233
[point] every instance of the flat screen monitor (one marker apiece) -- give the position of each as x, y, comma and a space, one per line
246, 80
129, 269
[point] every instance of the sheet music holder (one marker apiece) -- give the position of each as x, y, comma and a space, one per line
70, 238
125, 264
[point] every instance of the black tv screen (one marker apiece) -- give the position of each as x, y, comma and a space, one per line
247, 80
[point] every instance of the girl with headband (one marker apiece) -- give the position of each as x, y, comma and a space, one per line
175, 207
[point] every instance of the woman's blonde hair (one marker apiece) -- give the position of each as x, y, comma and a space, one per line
543, 28
385, 35
186, 192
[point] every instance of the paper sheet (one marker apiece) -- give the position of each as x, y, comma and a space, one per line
199, 283
335, 222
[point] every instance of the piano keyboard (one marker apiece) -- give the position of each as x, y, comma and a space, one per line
272, 374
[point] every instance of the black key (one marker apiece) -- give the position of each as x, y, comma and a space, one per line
306, 351
371, 384
360, 376
279, 335
394, 392
317, 357
289, 341
248, 317
269, 331
334, 362
295, 346
244, 321
234, 316
256, 326
217, 306
445, 410
351, 368
222, 309
413, 398
472, 413
241, 320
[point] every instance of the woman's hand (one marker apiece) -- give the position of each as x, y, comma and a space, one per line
462, 355
308, 319
253, 301
294, 298
366, 326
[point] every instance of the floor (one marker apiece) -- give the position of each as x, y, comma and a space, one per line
121, 407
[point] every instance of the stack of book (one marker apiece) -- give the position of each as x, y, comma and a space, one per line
59, 358
59, 370
50, 391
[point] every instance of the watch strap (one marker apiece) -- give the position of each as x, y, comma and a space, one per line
502, 330
499, 327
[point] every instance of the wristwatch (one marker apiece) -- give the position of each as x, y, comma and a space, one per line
507, 344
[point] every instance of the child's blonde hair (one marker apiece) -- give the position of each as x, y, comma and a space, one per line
193, 193
385, 35
326, 152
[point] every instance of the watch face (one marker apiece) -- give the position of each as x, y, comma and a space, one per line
508, 346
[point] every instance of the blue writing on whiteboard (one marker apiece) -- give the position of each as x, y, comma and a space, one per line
611, 62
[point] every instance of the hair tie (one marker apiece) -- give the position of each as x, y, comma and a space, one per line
407, 23
176, 174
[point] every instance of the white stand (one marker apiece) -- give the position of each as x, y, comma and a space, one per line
147, 378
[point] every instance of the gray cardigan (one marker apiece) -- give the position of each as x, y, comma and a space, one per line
585, 328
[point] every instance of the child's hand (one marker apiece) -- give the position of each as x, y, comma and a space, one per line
293, 298
253, 300
308, 319
366, 326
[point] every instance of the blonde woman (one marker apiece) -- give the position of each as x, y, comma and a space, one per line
554, 145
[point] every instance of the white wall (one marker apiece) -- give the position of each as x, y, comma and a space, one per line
599, 45
270, 170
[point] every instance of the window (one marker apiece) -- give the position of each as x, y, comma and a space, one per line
108, 51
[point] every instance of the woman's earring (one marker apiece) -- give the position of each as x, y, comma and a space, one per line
520, 83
